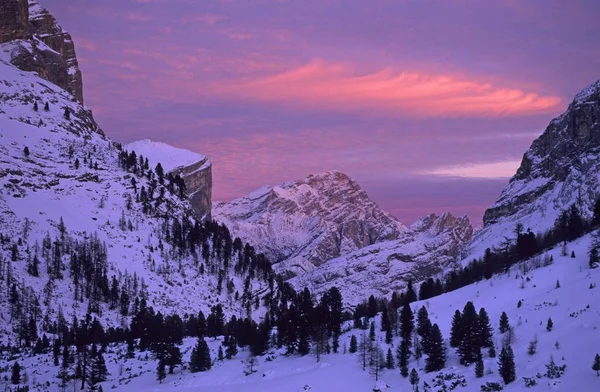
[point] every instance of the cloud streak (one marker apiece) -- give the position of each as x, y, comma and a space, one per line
340, 87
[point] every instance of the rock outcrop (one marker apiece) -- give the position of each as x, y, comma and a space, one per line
14, 21
428, 247
301, 225
37, 43
195, 170
560, 168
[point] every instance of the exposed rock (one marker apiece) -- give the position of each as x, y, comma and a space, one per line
14, 22
195, 170
38, 44
428, 247
300, 225
560, 168
44, 26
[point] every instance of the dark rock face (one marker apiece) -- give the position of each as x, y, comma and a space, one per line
40, 45
14, 22
44, 26
198, 183
561, 167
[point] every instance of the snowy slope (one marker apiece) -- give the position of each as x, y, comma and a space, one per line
170, 158
46, 186
428, 247
300, 225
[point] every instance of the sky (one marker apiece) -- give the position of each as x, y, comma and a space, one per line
428, 104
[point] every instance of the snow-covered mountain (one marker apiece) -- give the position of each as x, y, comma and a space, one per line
195, 170
561, 168
300, 225
428, 247
65, 187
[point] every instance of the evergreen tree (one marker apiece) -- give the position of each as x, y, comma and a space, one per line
414, 378
15, 376
504, 325
407, 324
161, 372
486, 332
410, 296
596, 365
220, 354
231, 348
98, 371
549, 325
469, 345
46, 107
403, 356
200, 358
436, 359
506, 365
353, 344
372, 331
456, 335
389, 359
26, 151
492, 351
67, 114
479, 366
304, 322
35, 106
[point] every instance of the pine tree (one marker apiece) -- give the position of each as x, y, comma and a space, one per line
26, 151
98, 371
35, 106
504, 325
549, 325
220, 354
389, 359
67, 114
596, 365
414, 378
15, 376
479, 366
161, 373
456, 335
407, 324
469, 345
410, 296
403, 356
486, 332
46, 107
200, 358
492, 351
231, 348
372, 332
353, 344
532, 348
506, 365
424, 328
436, 359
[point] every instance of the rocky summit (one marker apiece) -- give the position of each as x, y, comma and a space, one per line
302, 224
36, 42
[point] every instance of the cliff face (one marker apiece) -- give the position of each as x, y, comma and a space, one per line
36, 43
195, 170
302, 224
14, 23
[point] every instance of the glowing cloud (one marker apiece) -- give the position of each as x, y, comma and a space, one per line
337, 86
504, 169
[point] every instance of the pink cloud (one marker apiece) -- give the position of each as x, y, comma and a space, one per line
338, 86
203, 18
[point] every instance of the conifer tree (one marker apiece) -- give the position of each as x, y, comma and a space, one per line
231, 348
549, 325
506, 365
436, 359
161, 372
15, 376
389, 359
414, 378
469, 344
220, 354
596, 365
46, 107
98, 371
407, 324
372, 331
67, 114
35, 106
200, 358
456, 329
403, 356
411, 295
486, 332
479, 366
504, 325
353, 344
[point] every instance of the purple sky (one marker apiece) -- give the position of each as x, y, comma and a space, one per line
429, 105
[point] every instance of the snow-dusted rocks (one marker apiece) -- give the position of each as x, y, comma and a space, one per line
426, 248
301, 225
560, 168
35, 42
194, 168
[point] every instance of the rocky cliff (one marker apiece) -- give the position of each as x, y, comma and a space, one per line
560, 168
37, 43
428, 247
195, 170
302, 224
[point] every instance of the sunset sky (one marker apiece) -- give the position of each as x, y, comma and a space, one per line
429, 105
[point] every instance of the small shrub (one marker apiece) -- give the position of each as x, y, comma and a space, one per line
530, 382
491, 387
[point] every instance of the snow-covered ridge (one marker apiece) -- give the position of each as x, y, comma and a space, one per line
301, 224
170, 157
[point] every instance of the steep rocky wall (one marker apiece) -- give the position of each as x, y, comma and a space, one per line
198, 183
14, 23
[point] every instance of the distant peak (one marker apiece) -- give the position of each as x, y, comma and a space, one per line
587, 92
